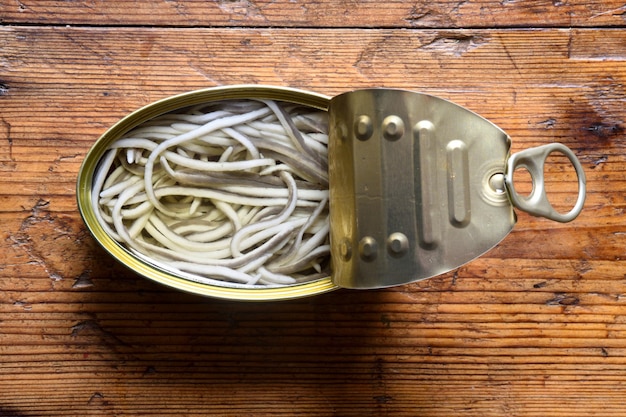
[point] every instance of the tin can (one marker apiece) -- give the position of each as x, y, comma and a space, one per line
170, 104
418, 186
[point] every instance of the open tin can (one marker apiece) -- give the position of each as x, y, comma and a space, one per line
418, 186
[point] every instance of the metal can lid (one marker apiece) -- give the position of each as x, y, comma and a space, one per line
414, 188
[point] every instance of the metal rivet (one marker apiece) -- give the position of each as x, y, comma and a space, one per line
496, 182
345, 249
363, 128
368, 248
397, 244
393, 127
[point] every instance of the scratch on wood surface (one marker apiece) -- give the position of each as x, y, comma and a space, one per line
97, 399
91, 327
563, 300
51, 242
419, 18
92, 46
7, 152
203, 73
548, 123
21, 7
385, 320
454, 43
582, 267
380, 385
619, 11
58, 161
383, 399
179, 7
604, 130
595, 160
241, 9
425, 15
25, 306
511, 58
83, 280
601, 117
86, 327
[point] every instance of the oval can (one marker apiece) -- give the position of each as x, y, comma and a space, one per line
152, 272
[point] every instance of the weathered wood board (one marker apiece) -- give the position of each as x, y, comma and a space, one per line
536, 327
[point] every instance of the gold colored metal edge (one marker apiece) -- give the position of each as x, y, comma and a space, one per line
85, 179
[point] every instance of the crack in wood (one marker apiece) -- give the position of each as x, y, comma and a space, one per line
9, 140
454, 43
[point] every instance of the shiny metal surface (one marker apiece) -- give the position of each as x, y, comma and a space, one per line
417, 187
537, 202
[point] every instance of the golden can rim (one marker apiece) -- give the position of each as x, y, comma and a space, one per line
84, 186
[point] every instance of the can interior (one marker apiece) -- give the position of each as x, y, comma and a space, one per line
152, 269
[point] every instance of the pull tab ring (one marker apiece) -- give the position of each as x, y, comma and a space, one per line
537, 202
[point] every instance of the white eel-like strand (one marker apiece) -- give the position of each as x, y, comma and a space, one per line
232, 193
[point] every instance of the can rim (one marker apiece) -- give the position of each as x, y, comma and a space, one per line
85, 179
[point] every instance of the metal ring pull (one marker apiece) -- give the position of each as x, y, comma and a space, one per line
537, 202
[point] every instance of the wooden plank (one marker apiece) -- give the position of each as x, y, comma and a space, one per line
326, 13
541, 94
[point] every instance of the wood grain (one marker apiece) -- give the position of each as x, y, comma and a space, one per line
536, 327
322, 13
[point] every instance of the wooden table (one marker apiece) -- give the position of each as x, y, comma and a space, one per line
536, 327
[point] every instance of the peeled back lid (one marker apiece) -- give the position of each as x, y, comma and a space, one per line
417, 187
